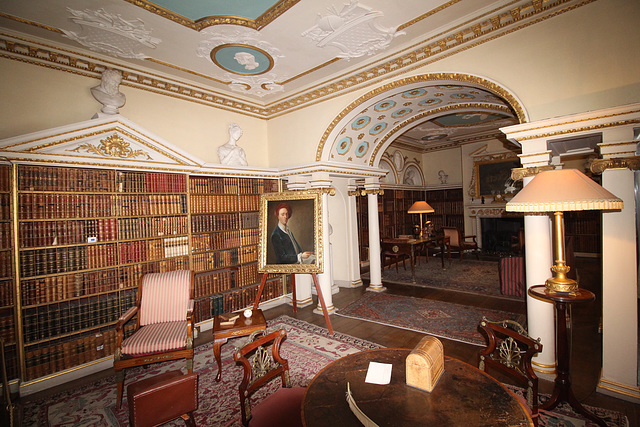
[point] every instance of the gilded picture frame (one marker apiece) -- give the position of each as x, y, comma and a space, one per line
493, 177
280, 252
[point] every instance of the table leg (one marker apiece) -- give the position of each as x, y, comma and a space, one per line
562, 391
413, 270
217, 345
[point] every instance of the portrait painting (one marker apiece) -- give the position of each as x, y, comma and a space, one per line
493, 177
291, 232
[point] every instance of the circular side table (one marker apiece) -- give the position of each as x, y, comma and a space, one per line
562, 391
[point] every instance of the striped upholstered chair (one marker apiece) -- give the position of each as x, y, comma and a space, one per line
164, 325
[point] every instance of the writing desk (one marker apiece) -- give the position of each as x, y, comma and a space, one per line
411, 247
464, 396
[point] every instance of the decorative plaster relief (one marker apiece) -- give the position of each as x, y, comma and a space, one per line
111, 34
353, 30
113, 146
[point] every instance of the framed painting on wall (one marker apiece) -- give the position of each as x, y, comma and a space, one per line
291, 232
493, 177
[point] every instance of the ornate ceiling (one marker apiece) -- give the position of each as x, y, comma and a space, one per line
266, 57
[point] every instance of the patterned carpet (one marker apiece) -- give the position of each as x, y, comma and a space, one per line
446, 320
308, 348
469, 275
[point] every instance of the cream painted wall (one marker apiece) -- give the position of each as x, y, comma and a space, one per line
37, 98
446, 160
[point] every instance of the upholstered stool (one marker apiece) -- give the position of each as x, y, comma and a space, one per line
163, 398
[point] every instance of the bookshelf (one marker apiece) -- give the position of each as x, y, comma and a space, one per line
225, 235
7, 284
586, 229
85, 237
448, 205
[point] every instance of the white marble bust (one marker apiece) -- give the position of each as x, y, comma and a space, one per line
230, 153
107, 92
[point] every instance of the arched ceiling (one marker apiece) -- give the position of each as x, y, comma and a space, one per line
424, 113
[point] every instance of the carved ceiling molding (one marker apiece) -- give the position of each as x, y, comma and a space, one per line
353, 30
109, 33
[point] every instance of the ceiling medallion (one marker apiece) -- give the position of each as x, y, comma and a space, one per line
242, 59
353, 30
111, 34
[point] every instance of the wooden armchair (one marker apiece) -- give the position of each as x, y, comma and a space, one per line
282, 408
509, 350
460, 242
164, 325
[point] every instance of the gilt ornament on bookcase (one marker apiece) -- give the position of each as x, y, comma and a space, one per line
113, 146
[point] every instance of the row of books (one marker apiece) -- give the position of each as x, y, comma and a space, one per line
52, 233
228, 185
65, 317
6, 175
5, 204
219, 240
151, 182
130, 274
6, 264
7, 328
213, 203
214, 282
152, 204
248, 274
50, 289
6, 293
152, 250
67, 354
144, 228
51, 178
52, 206
248, 254
249, 236
454, 207
40, 262
215, 260
214, 222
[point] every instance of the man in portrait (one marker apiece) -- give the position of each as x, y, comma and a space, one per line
286, 247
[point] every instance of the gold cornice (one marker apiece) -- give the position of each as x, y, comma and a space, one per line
582, 129
518, 174
600, 165
262, 21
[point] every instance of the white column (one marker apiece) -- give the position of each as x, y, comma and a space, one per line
304, 283
353, 252
324, 278
619, 375
372, 189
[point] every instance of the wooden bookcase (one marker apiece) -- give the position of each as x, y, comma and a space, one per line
7, 280
448, 205
586, 229
86, 236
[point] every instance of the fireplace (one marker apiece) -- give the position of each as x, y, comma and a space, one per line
499, 234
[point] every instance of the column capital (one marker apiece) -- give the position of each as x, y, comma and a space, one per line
376, 191
518, 174
353, 192
600, 165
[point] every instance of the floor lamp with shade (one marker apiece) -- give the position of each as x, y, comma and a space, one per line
421, 207
558, 191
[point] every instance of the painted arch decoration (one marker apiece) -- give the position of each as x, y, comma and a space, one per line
361, 132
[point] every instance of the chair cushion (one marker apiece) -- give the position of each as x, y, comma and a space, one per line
155, 338
282, 408
165, 297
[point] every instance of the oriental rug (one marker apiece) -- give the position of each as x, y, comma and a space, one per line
442, 319
308, 348
469, 276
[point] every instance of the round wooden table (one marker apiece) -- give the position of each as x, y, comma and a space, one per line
463, 396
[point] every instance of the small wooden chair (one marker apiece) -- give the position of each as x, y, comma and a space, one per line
510, 350
282, 408
460, 242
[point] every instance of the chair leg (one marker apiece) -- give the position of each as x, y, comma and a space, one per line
120, 388
189, 420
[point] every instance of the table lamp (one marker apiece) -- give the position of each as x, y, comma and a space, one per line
421, 207
558, 191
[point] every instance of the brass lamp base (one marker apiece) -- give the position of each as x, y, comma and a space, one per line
557, 286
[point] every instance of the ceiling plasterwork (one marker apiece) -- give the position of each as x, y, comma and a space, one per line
108, 33
354, 30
